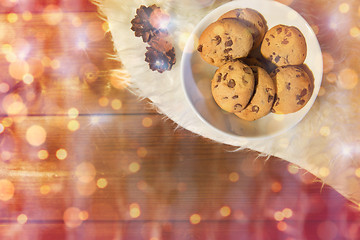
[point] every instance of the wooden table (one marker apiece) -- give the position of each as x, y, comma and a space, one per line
83, 158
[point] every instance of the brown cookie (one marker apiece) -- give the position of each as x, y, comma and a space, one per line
232, 86
284, 45
224, 41
263, 98
293, 89
252, 19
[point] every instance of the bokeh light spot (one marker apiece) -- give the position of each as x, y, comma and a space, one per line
85, 172
234, 177
4, 87
71, 217
12, 17
28, 78
141, 152
279, 216
357, 172
7, 122
276, 187
327, 230
292, 168
61, 154
287, 212
225, 211
348, 78
325, 131
22, 219
281, 226
13, 104
103, 101
73, 113
18, 69
73, 125
35, 135
134, 167
86, 189
83, 215
331, 77
147, 122
55, 64
45, 189
52, 14
105, 27
116, 104
344, 7
101, 183
322, 91
43, 154
354, 32
134, 210
27, 16
195, 218
7, 190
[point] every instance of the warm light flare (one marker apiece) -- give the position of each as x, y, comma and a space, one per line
225, 211
134, 167
147, 122
22, 219
36, 135
7, 190
134, 210
61, 154
71, 217
102, 183
43, 154
141, 152
195, 218
234, 177
85, 172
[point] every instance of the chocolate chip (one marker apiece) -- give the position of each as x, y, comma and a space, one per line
228, 43
277, 59
219, 77
227, 50
271, 57
225, 97
268, 89
276, 70
245, 82
217, 39
303, 92
270, 98
301, 102
286, 31
216, 86
235, 97
212, 60
277, 100
288, 86
279, 30
261, 24
289, 34
237, 107
225, 76
297, 75
266, 39
247, 70
231, 67
300, 35
255, 109
285, 41
272, 36
274, 53
200, 48
231, 83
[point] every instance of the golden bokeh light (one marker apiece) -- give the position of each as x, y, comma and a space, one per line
46, 61
116, 104
287, 212
55, 64
331, 77
18, 69
52, 14
36, 135
73, 113
195, 218
73, 125
6, 48
101, 183
27, 15
142, 185
344, 7
7, 190
134, 167
354, 32
86, 189
348, 78
45, 189
61, 154
71, 217
357, 172
5, 155
328, 62
4, 87
103, 101
105, 27
12, 17
225, 211
141, 152
293, 169
7, 122
234, 177
22, 219
276, 187
147, 122
76, 21
282, 226
83, 215
43, 154
279, 216
85, 172
325, 131
135, 211
13, 104
28, 78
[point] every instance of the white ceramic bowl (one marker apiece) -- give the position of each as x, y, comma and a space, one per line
196, 74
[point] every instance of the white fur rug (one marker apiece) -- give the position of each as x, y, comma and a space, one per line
325, 142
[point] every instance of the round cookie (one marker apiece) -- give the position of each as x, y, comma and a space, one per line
252, 19
223, 41
284, 45
293, 89
232, 86
263, 98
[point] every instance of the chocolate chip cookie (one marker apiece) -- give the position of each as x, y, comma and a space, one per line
263, 98
223, 41
232, 86
284, 45
293, 89
252, 19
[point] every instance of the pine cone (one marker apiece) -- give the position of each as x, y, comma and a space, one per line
146, 23
160, 61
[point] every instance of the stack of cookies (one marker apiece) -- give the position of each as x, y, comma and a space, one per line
259, 70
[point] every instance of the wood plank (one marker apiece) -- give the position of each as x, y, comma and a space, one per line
71, 66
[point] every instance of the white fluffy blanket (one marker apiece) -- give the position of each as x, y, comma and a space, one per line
325, 142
